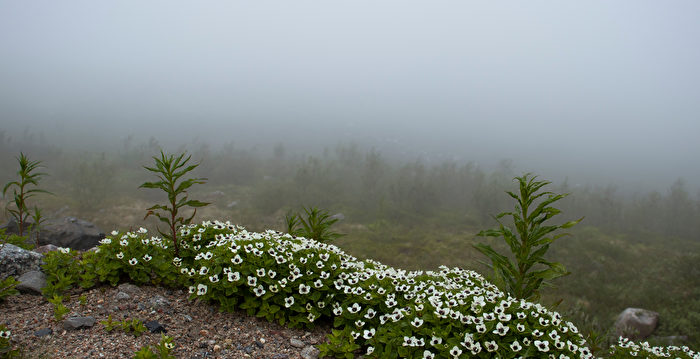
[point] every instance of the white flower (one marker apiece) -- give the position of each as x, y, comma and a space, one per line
289, 301
106, 241
133, 261
252, 281
354, 308
233, 276
114, 233
237, 259
428, 355
142, 230
491, 346
203, 271
542, 346
368, 333
435, 341
201, 289
417, 322
146, 257
260, 272
455, 351
5, 334
304, 289
500, 329
120, 255
124, 242
208, 255
214, 278
515, 346
259, 291
370, 350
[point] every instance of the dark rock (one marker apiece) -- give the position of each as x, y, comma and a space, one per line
635, 323
155, 327
74, 323
259, 344
15, 261
68, 232
46, 249
31, 282
43, 332
248, 349
309, 353
280, 356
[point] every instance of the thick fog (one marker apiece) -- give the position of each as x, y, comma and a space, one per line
593, 90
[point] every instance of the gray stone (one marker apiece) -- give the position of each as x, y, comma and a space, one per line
129, 288
15, 261
74, 323
636, 323
296, 343
32, 282
68, 232
158, 301
122, 296
43, 332
46, 249
309, 353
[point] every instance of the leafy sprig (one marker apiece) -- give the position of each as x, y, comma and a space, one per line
170, 169
529, 242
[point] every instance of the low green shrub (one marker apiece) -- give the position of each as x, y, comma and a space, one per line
7, 287
133, 326
162, 350
59, 310
6, 349
378, 310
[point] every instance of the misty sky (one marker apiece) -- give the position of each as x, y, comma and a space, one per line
610, 88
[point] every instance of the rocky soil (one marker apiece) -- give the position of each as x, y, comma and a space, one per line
199, 329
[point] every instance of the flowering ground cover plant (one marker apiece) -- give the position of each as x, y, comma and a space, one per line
378, 311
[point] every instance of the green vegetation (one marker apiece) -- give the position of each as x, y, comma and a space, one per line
6, 349
412, 216
530, 242
169, 170
7, 287
133, 326
161, 351
21, 191
315, 225
59, 310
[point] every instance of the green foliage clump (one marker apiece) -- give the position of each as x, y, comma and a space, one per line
59, 310
169, 170
21, 191
134, 257
6, 349
19, 241
315, 225
161, 351
529, 243
7, 287
133, 326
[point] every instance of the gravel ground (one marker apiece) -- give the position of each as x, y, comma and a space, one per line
199, 330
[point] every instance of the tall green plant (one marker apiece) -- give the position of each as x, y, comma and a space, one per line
21, 191
523, 272
170, 170
315, 226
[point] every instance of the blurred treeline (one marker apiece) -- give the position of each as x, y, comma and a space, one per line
634, 248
